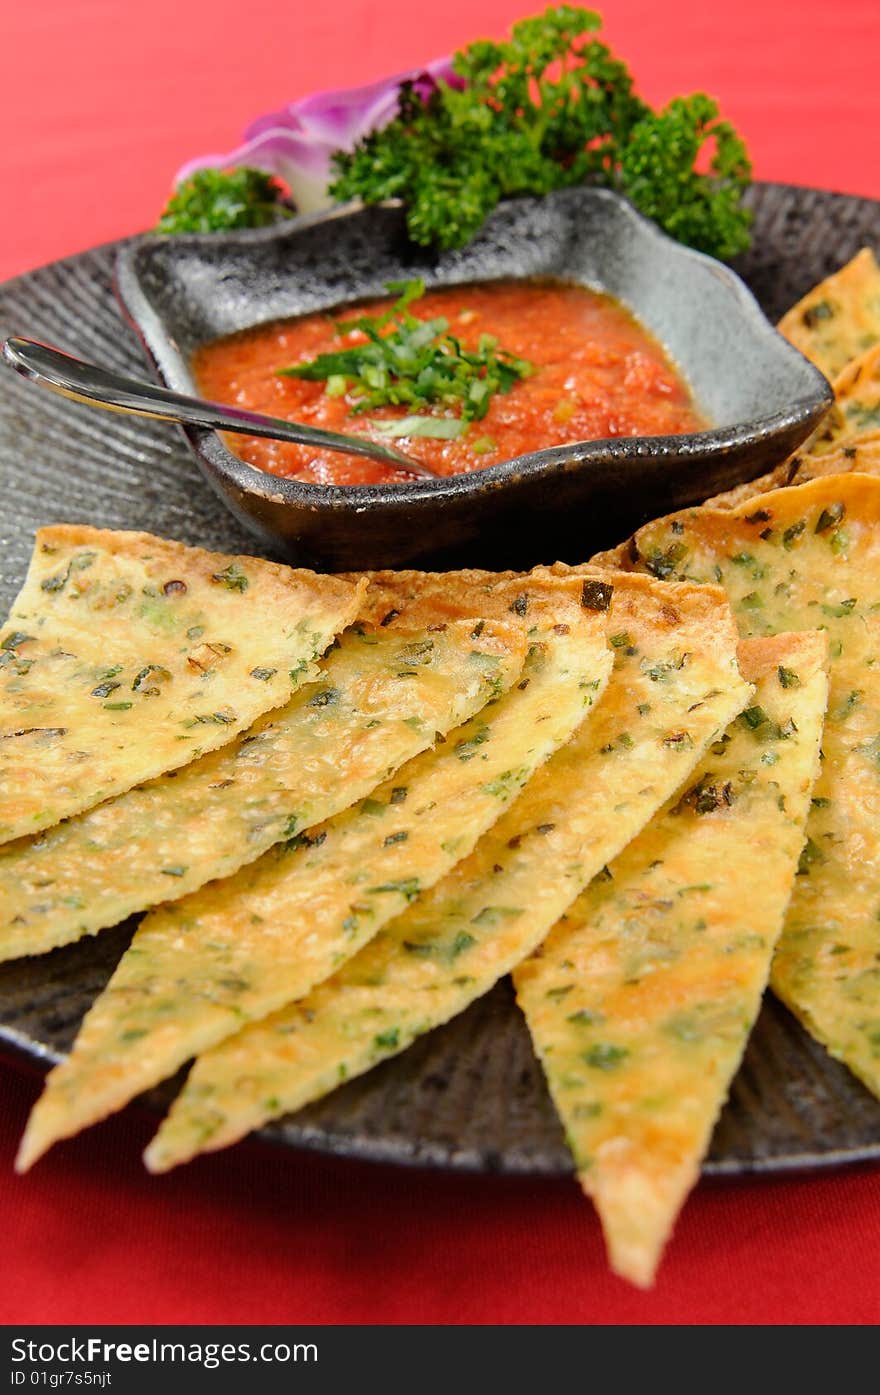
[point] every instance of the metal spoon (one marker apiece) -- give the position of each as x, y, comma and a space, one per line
99, 387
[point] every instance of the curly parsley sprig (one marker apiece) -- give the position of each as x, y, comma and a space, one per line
217, 200
549, 108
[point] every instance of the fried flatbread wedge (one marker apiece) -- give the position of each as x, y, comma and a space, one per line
854, 454
675, 686
125, 656
856, 410
840, 318
240, 948
380, 697
798, 559
641, 999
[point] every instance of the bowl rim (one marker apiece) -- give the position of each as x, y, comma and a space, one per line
651, 452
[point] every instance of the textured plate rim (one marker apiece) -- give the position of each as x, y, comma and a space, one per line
36, 1061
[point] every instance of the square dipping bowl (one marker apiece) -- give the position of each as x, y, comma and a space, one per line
762, 396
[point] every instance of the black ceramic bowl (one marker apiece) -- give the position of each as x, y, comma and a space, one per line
761, 395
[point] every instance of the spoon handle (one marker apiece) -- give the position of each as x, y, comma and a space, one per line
100, 387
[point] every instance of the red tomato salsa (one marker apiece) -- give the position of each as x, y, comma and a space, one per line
597, 373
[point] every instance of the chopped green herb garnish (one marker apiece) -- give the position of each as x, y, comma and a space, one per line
466, 750
461, 942
232, 577
678, 740
829, 517
326, 697
849, 704
706, 796
408, 887
745, 559
148, 681
753, 717
15, 639
661, 671
814, 314
662, 562
304, 840
432, 428
604, 1056
492, 915
596, 595
420, 651
55, 583
415, 363
838, 612
205, 719
811, 854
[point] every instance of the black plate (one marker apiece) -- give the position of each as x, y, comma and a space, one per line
762, 397
469, 1095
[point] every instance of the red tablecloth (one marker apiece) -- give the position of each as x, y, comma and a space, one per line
102, 102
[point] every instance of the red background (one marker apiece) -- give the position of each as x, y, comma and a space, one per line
102, 101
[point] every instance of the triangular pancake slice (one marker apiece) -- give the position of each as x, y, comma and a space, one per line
243, 947
642, 998
856, 410
799, 559
853, 454
840, 318
837, 325
391, 683
675, 686
125, 656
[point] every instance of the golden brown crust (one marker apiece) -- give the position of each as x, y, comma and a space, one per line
857, 372
854, 454
424, 598
860, 492
460, 591
859, 489
804, 650
162, 554
839, 317
856, 408
666, 600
